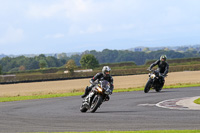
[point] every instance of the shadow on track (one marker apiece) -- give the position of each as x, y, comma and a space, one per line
116, 112
163, 91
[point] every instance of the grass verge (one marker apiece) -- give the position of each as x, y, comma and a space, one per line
197, 101
19, 98
151, 131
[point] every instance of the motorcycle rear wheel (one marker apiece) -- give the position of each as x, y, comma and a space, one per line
147, 86
159, 88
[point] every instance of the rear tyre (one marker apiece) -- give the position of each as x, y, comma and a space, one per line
159, 88
147, 86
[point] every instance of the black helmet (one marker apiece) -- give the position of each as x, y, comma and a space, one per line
163, 57
105, 71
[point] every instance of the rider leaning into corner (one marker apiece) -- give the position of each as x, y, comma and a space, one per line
104, 75
163, 67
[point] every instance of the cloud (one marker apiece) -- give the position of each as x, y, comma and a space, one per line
55, 36
12, 35
40, 11
87, 16
84, 11
92, 29
78, 22
69, 9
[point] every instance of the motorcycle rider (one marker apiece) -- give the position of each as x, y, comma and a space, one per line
163, 67
104, 75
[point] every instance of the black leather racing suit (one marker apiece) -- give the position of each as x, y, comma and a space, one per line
163, 67
98, 77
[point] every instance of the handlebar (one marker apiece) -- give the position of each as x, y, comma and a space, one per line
159, 73
150, 70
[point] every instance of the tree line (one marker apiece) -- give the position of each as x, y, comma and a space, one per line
21, 63
116, 56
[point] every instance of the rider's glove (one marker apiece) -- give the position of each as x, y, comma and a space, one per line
108, 92
162, 75
91, 82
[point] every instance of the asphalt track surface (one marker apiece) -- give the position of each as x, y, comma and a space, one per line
125, 111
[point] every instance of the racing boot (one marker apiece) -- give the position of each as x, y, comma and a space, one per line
87, 90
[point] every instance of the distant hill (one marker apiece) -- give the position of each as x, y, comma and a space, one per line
136, 49
2, 55
175, 48
33, 55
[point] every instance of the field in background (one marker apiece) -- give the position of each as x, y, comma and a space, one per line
118, 69
63, 86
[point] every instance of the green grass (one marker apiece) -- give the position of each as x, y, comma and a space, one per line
20, 98
39, 96
150, 131
165, 87
197, 101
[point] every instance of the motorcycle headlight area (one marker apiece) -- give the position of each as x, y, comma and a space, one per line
152, 76
99, 89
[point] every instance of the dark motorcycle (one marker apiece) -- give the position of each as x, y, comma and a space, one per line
96, 97
156, 81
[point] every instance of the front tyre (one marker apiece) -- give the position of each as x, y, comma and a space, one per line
83, 109
96, 102
147, 86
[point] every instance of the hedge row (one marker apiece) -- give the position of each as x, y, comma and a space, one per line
118, 72
120, 64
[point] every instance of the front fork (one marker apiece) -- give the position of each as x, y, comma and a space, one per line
87, 100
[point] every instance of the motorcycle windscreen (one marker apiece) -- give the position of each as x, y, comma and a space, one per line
105, 84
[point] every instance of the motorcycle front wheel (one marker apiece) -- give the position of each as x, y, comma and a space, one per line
96, 102
83, 109
147, 86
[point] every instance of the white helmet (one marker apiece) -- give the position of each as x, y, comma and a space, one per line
106, 69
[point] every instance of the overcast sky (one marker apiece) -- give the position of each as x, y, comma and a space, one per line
56, 26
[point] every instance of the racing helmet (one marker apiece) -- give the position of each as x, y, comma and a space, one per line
106, 71
163, 57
